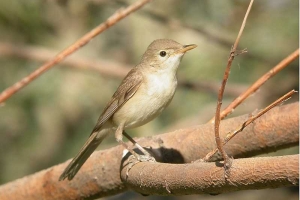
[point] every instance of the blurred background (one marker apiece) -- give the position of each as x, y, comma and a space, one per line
48, 121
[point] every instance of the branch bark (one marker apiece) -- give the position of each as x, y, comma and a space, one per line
100, 176
208, 178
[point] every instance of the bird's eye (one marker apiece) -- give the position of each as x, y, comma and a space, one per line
162, 53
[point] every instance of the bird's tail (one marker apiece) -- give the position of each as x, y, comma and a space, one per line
91, 144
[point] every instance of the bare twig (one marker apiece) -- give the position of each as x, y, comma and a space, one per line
251, 119
174, 23
227, 161
116, 17
284, 63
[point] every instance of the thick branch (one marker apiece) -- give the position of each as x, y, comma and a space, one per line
201, 178
100, 175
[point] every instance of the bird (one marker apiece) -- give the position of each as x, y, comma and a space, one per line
144, 93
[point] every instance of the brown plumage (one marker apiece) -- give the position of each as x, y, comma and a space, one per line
146, 90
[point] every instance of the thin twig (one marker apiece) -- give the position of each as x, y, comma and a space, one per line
251, 119
254, 87
227, 161
116, 17
166, 20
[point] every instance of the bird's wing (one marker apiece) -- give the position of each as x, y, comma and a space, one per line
125, 91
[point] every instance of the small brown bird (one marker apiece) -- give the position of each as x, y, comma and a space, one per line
143, 94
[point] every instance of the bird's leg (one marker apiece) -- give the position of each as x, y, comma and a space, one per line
139, 158
144, 151
119, 138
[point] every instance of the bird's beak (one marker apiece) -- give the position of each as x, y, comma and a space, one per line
186, 48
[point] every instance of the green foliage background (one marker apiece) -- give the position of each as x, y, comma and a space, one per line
47, 122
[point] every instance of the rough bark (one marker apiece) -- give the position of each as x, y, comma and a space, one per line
200, 178
100, 176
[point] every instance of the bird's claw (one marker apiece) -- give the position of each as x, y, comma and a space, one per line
132, 160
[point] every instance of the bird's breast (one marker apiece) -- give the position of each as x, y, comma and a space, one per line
160, 85
155, 93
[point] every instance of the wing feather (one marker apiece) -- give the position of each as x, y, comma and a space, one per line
125, 91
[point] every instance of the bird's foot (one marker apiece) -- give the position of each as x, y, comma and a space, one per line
145, 158
134, 159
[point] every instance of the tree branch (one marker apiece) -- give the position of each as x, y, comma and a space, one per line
207, 178
112, 20
261, 81
251, 119
227, 161
100, 175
